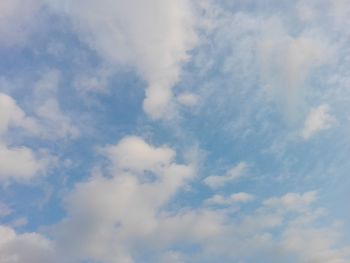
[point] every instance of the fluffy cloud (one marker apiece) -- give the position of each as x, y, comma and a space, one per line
121, 219
12, 115
28, 247
126, 214
154, 36
318, 119
24, 248
276, 232
111, 216
134, 154
19, 163
233, 174
17, 21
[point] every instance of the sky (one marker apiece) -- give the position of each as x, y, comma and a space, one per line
174, 131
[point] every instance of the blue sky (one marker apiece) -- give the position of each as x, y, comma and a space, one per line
174, 131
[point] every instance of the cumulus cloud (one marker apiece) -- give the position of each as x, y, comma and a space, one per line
318, 119
18, 162
120, 219
24, 248
271, 233
110, 216
231, 175
125, 214
134, 154
153, 36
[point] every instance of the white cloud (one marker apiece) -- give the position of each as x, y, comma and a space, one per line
113, 232
319, 119
17, 21
292, 201
19, 163
314, 244
123, 215
12, 115
108, 217
154, 36
49, 120
232, 199
134, 154
233, 174
24, 248
281, 228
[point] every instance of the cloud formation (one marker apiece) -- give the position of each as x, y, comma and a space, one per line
152, 36
18, 162
250, 73
27, 247
317, 120
232, 199
217, 181
17, 21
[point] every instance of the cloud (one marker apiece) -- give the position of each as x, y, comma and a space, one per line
134, 154
317, 120
292, 201
126, 214
54, 122
121, 219
18, 162
110, 216
232, 199
48, 119
188, 99
286, 62
24, 248
17, 21
233, 174
12, 115
153, 36
277, 231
